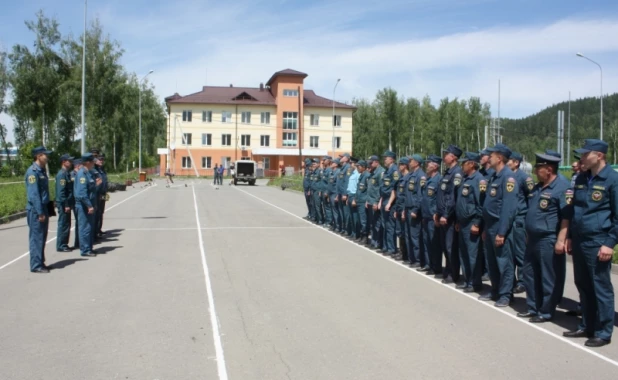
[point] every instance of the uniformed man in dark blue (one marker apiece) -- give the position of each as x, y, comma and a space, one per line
37, 193
316, 191
77, 165
447, 196
361, 199
85, 203
399, 208
418, 179
557, 155
429, 213
499, 212
332, 194
387, 199
306, 185
524, 186
547, 223
593, 235
64, 203
487, 172
99, 163
326, 176
469, 212
344, 178
373, 202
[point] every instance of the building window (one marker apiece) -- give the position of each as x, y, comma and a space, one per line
337, 142
226, 116
265, 118
226, 140
246, 117
207, 116
289, 139
314, 141
187, 116
290, 93
186, 162
337, 120
290, 120
245, 140
186, 139
226, 161
266, 163
315, 119
265, 140
206, 139
206, 162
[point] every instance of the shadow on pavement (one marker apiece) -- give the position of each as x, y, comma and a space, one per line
65, 263
104, 250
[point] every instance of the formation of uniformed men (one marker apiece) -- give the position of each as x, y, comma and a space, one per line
483, 218
81, 188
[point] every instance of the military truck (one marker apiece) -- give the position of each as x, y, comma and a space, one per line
245, 171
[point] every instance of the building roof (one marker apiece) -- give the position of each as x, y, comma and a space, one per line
287, 72
247, 96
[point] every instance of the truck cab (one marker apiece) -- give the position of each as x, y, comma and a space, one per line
245, 171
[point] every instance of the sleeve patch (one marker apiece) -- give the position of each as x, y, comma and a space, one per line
82, 180
31, 179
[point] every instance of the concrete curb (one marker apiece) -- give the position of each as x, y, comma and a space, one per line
11, 218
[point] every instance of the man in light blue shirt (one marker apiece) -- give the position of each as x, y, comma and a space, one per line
354, 223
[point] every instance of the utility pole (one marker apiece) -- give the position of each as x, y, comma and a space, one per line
83, 142
569, 133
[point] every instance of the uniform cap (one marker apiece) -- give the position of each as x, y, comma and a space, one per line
95, 150
77, 161
337, 161
40, 150
362, 163
552, 153
307, 161
354, 159
517, 156
388, 153
404, 161
470, 156
327, 158
546, 159
66, 157
346, 155
418, 158
316, 160
434, 158
87, 157
484, 152
502, 149
577, 157
592, 145
454, 149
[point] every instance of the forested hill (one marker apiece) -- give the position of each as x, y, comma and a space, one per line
539, 131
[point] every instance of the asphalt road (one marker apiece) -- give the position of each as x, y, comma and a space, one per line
230, 283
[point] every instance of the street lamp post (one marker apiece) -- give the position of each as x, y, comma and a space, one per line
600, 68
140, 119
83, 110
333, 142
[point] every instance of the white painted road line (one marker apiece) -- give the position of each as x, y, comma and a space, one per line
436, 281
214, 322
217, 228
73, 228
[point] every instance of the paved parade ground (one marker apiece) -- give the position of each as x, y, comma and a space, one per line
200, 283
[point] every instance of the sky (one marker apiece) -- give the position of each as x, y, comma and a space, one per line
440, 48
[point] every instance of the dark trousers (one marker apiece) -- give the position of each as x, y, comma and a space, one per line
328, 210
544, 275
317, 206
76, 232
84, 228
334, 205
100, 212
594, 283
309, 202
500, 263
37, 238
413, 241
64, 229
388, 219
344, 211
431, 245
450, 244
362, 218
377, 231
519, 249
354, 217
471, 256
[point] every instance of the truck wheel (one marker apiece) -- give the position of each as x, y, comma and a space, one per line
252, 183
235, 181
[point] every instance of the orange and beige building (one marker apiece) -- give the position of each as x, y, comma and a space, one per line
273, 124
